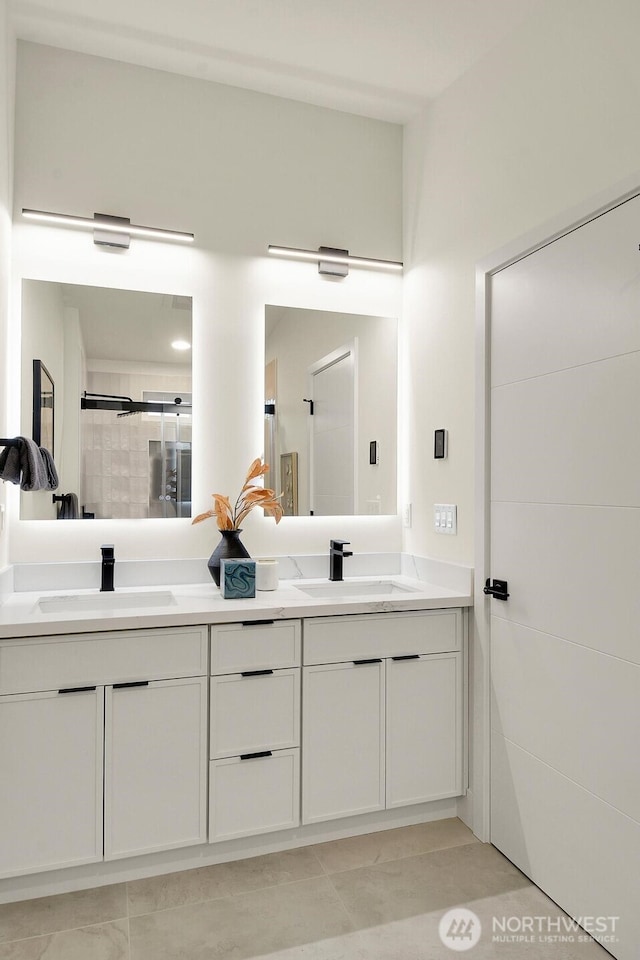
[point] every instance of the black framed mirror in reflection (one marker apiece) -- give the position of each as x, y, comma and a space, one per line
121, 363
331, 385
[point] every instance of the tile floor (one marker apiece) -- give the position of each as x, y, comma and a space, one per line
375, 897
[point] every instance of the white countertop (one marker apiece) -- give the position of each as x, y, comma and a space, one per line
201, 603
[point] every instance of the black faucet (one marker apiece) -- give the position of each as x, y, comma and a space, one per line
336, 556
108, 566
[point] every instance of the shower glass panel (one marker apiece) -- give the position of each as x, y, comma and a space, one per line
138, 464
170, 462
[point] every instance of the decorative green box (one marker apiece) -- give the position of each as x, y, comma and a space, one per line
238, 579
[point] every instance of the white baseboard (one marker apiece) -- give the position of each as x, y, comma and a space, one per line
464, 808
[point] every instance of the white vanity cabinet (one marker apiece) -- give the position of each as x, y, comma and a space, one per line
105, 721
127, 743
382, 711
254, 780
155, 766
50, 780
343, 740
424, 728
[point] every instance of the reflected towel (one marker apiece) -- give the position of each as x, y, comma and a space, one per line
25, 465
68, 507
50, 467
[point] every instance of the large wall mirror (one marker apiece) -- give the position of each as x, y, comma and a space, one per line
120, 361
331, 411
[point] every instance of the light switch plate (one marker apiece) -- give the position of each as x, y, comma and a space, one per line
445, 518
406, 515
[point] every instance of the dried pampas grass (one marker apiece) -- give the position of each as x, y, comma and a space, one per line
230, 517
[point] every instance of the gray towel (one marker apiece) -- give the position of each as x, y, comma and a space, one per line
10, 464
25, 465
50, 467
68, 507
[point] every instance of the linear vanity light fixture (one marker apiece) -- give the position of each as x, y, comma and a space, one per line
107, 230
332, 261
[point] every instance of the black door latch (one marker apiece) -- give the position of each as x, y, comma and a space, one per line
497, 589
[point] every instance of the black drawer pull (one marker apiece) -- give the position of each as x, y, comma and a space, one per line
257, 623
358, 663
256, 756
134, 683
255, 673
77, 689
408, 656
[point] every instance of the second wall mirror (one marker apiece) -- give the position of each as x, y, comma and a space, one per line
331, 411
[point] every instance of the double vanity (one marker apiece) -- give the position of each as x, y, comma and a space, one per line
161, 728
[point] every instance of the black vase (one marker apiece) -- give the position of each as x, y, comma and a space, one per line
230, 547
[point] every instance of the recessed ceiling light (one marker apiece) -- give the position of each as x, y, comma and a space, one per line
180, 345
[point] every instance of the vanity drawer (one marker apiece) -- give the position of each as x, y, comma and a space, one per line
75, 660
252, 713
254, 796
340, 639
237, 647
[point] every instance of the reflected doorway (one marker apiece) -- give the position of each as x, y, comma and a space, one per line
332, 389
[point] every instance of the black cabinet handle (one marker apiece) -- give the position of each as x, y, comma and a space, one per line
255, 756
255, 673
257, 623
77, 689
408, 656
134, 683
359, 663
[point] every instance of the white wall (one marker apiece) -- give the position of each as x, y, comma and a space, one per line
7, 59
546, 121
240, 170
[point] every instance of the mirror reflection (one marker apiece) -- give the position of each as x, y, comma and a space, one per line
331, 411
121, 364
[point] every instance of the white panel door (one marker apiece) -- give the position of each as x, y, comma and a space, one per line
155, 766
333, 479
342, 740
565, 534
51, 780
424, 728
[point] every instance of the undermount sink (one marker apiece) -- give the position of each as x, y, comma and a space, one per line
105, 602
354, 588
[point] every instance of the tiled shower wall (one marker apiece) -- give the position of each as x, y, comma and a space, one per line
115, 480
